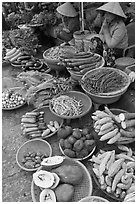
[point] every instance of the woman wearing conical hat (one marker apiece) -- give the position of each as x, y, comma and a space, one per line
70, 21
113, 31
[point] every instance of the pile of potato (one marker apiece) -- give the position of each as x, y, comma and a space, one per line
76, 143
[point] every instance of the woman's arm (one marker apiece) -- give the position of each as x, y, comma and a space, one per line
117, 36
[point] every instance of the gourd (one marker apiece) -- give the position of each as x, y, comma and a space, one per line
47, 195
43, 179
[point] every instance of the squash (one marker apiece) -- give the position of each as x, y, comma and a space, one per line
56, 181
52, 162
47, 195
43, 179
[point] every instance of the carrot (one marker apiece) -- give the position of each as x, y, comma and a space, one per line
124, 156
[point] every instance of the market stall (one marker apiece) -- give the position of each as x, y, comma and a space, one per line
68, 124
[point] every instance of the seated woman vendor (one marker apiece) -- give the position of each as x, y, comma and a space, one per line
113, 32
70, 21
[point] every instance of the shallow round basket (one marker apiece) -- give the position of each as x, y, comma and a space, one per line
106, 98
81, 190
79, 96
93, 199
117, 111
22, 92
34, 145
53, 62
77, 159
49, 116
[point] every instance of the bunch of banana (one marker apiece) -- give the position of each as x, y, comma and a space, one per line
110, 127
115, 172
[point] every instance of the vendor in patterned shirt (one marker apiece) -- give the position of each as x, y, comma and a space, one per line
113, 31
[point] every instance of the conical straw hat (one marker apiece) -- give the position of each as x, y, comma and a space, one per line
67, 9
113, 7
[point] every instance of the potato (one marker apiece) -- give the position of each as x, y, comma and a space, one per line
83, 153
72, 139
67, 145
77, 133
85, 131
78, 145
70, 153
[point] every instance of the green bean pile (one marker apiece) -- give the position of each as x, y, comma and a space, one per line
66, 106
103, 81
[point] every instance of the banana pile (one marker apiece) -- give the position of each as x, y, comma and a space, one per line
114, 128
115, 172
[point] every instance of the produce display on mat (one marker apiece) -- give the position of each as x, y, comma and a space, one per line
33, 125
115, 172
66, 106
41, 94
76, 143
112, 129
81, 62
105, 81
12, 99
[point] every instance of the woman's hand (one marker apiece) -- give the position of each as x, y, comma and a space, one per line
105, 26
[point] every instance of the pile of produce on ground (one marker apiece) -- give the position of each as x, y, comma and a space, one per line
81, 62
33, 160
76, 143
66, 106
41, 94
104, 81
59, 183
12, 99
33, 125
111, 128
115, 172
